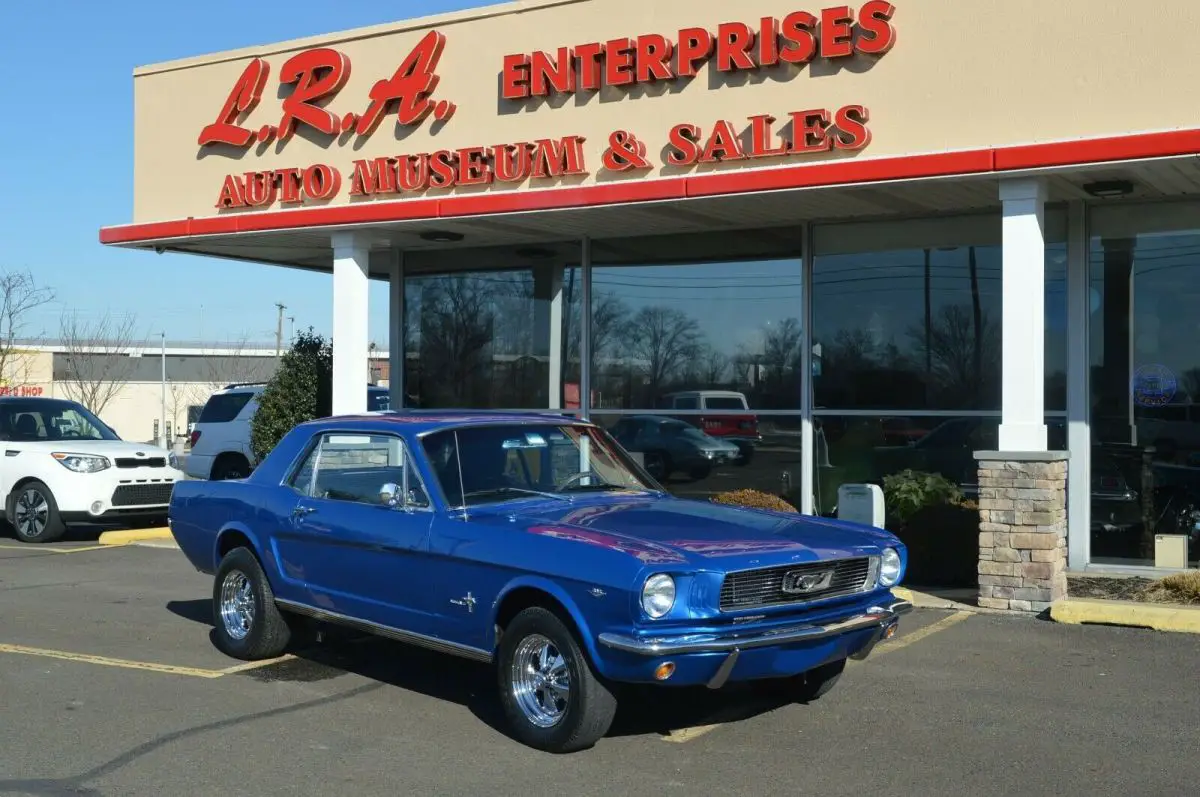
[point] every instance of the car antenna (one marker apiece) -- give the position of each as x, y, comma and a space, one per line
462, 488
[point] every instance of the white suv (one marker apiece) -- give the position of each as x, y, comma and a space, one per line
220, 440
63, 465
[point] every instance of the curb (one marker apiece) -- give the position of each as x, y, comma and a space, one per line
1159, 617
127, 536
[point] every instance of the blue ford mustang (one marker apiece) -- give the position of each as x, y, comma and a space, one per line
534, 542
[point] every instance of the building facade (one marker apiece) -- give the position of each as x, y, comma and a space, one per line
929, 235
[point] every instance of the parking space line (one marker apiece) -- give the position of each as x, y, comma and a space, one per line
36, 549
916, 636
254, 665
87, 658
684, 735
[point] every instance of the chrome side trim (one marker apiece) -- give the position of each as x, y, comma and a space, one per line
874, 617
396, 634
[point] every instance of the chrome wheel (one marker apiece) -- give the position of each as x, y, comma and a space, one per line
31, 513
541, 681
237, 605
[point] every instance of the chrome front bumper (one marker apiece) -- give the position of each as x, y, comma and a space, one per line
880, 618
876, 616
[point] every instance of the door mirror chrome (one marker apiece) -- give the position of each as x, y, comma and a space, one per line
389, 494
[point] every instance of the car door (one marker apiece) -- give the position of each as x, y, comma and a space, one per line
358, 554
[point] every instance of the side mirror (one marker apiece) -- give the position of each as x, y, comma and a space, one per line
389, 494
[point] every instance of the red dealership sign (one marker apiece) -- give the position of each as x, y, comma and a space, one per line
316, 77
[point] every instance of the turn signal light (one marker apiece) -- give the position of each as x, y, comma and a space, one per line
891, 632
664, 671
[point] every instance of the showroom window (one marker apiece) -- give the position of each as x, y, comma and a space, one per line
1144, 346
697, 345
492, 339
906, 314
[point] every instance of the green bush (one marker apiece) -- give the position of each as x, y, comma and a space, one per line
909, 491
300, 390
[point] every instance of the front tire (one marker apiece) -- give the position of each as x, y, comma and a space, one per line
248, 624
35, 516
553, 699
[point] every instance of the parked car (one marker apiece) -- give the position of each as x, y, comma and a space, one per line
537, 544
669, 445
220, 438
63, 465
727, 416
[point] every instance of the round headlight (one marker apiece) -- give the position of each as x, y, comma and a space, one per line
658, 595
889, 567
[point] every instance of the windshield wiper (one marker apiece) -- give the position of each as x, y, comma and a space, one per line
599, 483
502, 490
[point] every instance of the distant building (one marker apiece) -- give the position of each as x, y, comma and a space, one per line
123, 385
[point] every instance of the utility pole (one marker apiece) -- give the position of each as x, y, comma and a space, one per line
163, 392
279, 330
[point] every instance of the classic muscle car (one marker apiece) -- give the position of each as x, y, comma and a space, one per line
539, 545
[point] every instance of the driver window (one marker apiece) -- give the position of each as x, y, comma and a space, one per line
355, 467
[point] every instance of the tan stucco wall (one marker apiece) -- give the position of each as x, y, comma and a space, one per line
963, 74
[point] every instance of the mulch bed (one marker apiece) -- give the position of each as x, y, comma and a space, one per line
1182, 589
1118, 589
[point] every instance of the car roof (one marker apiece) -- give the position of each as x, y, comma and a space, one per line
425, 421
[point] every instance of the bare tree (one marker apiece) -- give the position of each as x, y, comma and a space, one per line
664, 338
20, 295
97, 358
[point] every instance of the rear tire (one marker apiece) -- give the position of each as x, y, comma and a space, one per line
247, 623
230, 466
553, 699
35, 516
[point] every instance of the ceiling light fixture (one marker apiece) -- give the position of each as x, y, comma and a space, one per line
1106, 189
442, 236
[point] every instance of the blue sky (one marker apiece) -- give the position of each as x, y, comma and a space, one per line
71, 118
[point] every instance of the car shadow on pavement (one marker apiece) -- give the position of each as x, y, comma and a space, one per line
643, 709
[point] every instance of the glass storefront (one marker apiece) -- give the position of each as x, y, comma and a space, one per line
698, 355
1145, 380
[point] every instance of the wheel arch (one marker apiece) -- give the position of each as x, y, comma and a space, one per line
525, 592
11, 498
235, 535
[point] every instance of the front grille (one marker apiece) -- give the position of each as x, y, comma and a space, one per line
752, 589
140, 494
132, 462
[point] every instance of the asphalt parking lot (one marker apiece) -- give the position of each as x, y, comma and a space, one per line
109, 686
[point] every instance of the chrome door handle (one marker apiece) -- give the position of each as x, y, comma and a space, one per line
301, 511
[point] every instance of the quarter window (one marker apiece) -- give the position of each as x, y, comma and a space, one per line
356, 467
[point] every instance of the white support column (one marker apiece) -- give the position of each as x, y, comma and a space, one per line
351, 253
808, 479
1079, 435
1023, 322
397, 338
556, 338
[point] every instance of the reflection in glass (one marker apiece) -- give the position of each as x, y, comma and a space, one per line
693, 463
724, 332
483, 340
907, 315
1145, 361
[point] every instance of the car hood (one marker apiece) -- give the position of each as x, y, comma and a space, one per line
662, 530
107, 448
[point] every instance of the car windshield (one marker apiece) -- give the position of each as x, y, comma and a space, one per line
681, 429
504, 462
36, 420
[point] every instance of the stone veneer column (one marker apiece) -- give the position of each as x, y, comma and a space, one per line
1022, 529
